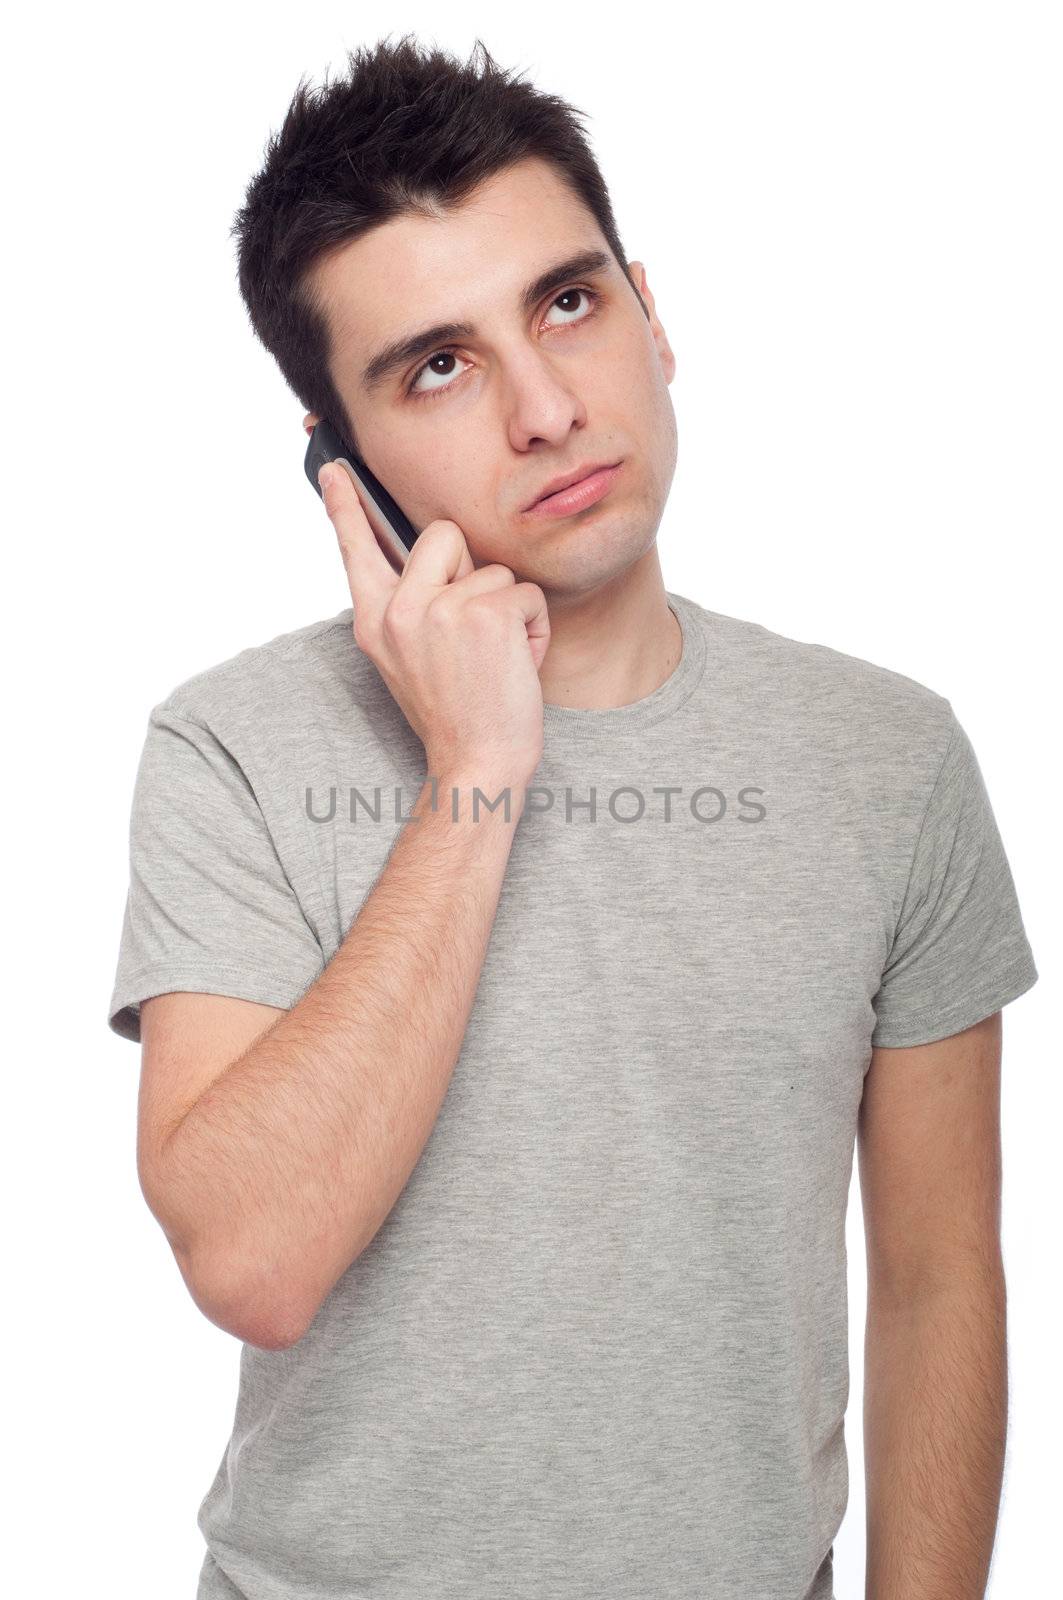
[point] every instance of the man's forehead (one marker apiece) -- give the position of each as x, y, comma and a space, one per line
506, 208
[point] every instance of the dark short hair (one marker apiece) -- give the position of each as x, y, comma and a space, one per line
406, 130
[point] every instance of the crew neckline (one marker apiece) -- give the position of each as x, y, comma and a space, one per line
660, 703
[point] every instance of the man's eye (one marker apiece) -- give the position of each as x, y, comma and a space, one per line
430, 368
570, 294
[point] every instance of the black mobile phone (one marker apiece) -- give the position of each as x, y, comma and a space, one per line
394, 531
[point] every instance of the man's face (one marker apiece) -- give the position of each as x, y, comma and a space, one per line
472, 428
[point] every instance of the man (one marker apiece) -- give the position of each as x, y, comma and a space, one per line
514, 1138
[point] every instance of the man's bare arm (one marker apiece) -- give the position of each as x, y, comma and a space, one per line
284, 1167
283, 1170
935, 1380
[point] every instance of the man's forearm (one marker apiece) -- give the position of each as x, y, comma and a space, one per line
935, 1426
285, 1168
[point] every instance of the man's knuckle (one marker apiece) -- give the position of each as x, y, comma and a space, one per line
485, 612
398, 616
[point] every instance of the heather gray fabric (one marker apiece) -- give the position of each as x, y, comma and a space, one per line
599, 1347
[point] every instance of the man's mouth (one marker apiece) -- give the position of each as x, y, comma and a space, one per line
574, 490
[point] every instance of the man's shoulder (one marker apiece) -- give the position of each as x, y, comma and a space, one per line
263, 681
818, 688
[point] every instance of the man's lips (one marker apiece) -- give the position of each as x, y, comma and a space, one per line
573, 492
565, 480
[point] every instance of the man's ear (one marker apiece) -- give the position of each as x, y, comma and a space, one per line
660, 338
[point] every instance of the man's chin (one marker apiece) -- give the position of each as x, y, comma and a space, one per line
576, 564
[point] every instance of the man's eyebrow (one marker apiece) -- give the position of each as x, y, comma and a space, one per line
400, 351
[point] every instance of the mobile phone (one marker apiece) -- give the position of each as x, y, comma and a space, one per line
394, 531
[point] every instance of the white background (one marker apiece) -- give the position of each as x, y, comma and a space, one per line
850, 217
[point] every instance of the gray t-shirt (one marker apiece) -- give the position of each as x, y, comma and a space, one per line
599, 1346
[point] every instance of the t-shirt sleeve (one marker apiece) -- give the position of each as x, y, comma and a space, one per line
960, 950
210, 907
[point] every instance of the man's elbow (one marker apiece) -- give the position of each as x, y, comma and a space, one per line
254, 1308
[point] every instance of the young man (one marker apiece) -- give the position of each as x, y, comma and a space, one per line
514, 1138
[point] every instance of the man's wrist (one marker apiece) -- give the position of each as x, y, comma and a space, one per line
476, 792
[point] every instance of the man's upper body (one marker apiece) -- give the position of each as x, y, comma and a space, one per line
600, 1343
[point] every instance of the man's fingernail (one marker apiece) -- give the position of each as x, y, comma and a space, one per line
324, 478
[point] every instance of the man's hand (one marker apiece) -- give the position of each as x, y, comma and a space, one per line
459, 647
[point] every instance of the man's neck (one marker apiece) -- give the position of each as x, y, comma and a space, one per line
614, 646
